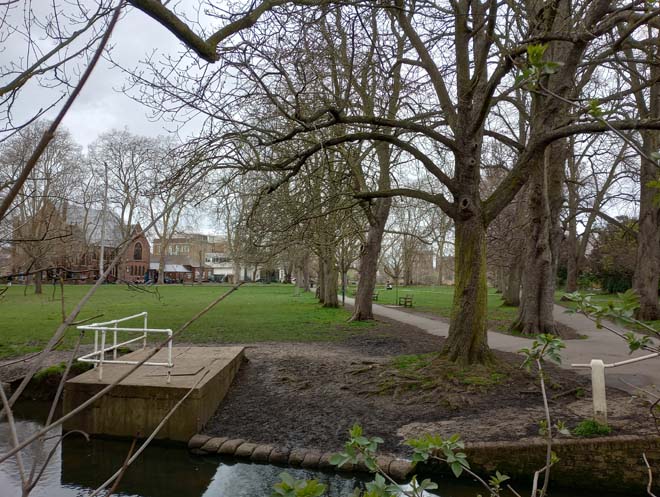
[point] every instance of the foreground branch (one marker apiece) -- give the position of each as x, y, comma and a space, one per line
50, 132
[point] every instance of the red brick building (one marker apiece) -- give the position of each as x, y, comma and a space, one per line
68, 240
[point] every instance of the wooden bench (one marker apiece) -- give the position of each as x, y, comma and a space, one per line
406, 301
375, 296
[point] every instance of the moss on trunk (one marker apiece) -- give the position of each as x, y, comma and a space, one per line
467, 342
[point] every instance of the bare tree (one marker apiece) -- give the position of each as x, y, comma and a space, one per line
465, 75
128, 159
598, 178
39, 223
162, 195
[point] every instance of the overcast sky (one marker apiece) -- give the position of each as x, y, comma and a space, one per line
101, 106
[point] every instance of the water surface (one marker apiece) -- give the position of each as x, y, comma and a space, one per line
78, 467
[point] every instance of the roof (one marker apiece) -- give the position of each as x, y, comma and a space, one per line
170, 268
90, 222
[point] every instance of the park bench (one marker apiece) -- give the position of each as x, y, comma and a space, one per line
375, 296
406, 301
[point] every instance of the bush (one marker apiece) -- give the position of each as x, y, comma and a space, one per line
591, 428
616, 282
587, 281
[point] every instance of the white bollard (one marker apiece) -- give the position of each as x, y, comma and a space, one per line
598, 390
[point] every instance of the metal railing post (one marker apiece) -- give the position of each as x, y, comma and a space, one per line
114, 343
169, 347
102, 355
144, 340
96, 344
598, 390
169, 355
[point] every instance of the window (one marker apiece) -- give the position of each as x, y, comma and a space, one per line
137, 252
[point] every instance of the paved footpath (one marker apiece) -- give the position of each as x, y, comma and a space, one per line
599, 344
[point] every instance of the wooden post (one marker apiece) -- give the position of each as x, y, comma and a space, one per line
598, 391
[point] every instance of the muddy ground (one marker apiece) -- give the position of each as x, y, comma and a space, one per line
310, 394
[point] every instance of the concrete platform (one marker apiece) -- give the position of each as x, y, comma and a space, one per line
139, 403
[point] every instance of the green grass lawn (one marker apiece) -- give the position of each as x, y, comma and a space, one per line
438, 299
253, 313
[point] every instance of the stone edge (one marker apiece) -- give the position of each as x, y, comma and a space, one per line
398, 469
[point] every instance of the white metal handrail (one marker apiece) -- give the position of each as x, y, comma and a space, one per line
97, 357
598, 392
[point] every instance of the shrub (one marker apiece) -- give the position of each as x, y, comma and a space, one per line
591, 428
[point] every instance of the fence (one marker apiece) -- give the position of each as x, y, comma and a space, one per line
98, 356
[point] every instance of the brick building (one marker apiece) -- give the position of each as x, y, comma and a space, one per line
67, 240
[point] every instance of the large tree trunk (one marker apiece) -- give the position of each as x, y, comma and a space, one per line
500, 277
467, 342
440, 262
320, 287
236, 269
545, 195
369, 256
38, 283
648, 247
511, 294
408, 262
544, 203
303, 279
161, 268
572, 257
330, 289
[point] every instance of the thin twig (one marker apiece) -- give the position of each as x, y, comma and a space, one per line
123, 469
548, 455
603, 121
618, 333
121, 378
86, 320
649, 485
28, 357
51, 414
50, 132
14, 437
512, 490
52, 453
62, 308
150, 438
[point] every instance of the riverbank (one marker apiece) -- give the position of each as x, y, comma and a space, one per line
388, 380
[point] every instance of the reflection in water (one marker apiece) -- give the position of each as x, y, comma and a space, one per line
79, 467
